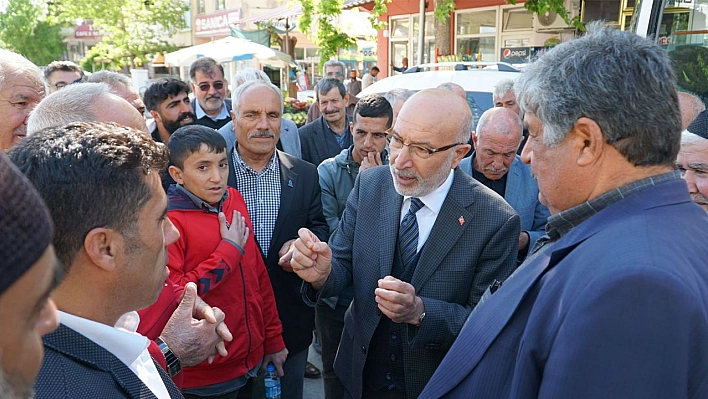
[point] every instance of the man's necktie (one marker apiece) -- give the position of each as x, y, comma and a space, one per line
408, 234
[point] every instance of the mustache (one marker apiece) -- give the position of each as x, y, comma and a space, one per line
495, 170
261, 133
209, 97
186, 115
699, 198
336, 111
408, 174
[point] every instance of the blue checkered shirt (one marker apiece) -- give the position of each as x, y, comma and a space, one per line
261, 191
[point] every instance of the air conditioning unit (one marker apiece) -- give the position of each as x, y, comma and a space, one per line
552, 22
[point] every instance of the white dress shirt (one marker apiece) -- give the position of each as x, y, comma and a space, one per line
426, 215
128, 346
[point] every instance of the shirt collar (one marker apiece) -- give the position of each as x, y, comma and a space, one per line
435, 199
562, 222
238, 161
346, 124
199, 112
123, 344
200, 203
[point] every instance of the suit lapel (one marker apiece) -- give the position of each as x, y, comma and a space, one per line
169, 384
445, 232
288, 184
513, 184
82, 350
320, 140
389, 219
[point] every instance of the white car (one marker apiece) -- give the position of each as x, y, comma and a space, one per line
477, 78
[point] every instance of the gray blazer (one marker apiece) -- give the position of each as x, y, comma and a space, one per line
522, 194
289, 137
473, 242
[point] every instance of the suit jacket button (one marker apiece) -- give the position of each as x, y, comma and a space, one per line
363, 350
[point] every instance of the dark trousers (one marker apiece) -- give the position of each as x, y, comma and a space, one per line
330, 324
291, 384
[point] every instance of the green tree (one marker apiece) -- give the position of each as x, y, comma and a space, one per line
328, 37
24, 29
133, 30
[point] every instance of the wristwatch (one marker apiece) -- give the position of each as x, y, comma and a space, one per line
174, 366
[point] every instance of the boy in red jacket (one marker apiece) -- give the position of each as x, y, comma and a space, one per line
217, 252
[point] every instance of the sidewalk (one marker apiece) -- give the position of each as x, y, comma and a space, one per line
314, 387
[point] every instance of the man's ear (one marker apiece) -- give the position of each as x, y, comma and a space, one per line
156, 116
346, 98
589, 141
176, 174
474, 139
460, 152
103, 246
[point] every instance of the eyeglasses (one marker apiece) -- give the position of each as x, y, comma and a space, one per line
337, 74
218, 85
396, 144
61, 85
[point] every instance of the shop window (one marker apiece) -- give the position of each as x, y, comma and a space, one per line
477, 22
477, 49
220, 5
517, 19
400, 27
602, 10
201, 8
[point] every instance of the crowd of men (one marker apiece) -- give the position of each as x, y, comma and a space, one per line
542, 251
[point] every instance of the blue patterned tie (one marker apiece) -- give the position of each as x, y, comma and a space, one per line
408, 234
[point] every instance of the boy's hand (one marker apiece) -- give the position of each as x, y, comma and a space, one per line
237, 232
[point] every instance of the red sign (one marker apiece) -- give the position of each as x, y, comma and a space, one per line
87, 32
217, 23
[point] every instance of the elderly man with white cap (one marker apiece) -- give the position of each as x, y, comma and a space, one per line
692, 159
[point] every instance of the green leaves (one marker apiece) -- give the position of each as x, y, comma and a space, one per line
328, 37
25, 29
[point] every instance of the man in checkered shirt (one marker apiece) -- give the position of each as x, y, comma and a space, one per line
282, 195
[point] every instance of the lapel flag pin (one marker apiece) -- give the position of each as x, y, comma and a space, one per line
290, 183
461, 220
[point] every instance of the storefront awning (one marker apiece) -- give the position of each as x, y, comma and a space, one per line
349, 4
278, 13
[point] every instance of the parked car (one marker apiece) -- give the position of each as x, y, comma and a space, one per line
477, 78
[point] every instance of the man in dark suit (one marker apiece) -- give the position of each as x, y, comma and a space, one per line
282, 195
420, 242
495, 164
328, 135
615, 304
101, 184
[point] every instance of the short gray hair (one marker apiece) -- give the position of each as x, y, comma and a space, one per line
501, 124
112, 79
336, 63
74, 103
398, 94
247, 75
621, 81
238, 93
502, 87
17, 65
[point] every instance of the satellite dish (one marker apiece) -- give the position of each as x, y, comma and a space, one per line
547, 18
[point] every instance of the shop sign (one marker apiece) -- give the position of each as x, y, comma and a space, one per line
520, 55
217, 23
87, 32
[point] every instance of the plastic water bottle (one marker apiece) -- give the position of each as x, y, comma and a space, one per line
272, 383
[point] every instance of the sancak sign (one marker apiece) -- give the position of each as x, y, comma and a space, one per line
216, 24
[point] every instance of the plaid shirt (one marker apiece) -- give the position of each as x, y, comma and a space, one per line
561, 223
261, 191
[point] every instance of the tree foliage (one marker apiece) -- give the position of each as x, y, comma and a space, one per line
329, 38
25, 29
132, 29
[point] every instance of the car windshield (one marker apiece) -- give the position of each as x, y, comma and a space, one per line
682, 31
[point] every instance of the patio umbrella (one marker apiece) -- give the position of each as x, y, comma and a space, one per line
228, 49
